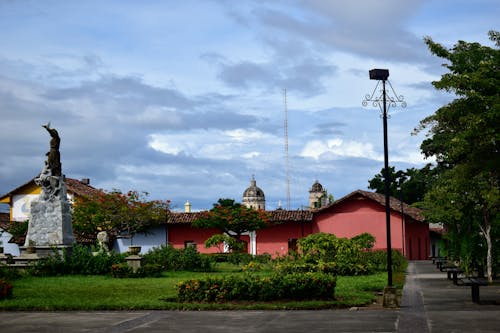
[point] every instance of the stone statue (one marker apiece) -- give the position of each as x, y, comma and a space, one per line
50, 178
50, 215
54, 156
102, 241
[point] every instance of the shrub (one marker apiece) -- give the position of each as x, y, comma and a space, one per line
9, 274
378, 260
320, 246
121, 270
80, 260
5, 289
346, 255
303, 267
171, 259
252, 266
239, 258
296, 286
365, 240
149, 270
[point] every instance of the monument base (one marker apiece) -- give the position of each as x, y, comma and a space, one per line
390, 297
50, 224
44, 251
134, 262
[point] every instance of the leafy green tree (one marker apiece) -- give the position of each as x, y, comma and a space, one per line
410, 185
222, 240
232, 218
117, 213
463, 137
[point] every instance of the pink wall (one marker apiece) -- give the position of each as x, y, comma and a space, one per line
178, 234
353, 217
274, 240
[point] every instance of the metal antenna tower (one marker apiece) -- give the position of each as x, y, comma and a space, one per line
287, 164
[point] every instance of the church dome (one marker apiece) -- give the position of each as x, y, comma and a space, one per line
316, 187
253, 196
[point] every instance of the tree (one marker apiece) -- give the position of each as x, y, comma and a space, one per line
463, 137
409, 185
232, 219
117, 213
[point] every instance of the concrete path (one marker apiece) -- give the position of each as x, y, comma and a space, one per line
449, 308
430, 303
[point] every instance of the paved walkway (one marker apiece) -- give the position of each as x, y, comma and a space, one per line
430, 303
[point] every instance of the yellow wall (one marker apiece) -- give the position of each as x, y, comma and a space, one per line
29, 188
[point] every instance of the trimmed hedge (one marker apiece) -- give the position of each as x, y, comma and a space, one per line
296, 286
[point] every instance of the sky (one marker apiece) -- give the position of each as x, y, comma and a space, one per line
184, 100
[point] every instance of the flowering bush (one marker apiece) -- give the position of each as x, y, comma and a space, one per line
5, 289
298, 286
117, 213
252, 266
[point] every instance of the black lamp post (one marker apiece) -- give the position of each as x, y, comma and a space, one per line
382, 75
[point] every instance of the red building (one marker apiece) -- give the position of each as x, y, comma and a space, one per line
356, 213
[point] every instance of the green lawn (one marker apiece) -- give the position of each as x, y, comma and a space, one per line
107, 293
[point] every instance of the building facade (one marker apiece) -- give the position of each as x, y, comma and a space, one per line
356, 213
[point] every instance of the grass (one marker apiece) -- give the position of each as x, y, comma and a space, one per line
108, 293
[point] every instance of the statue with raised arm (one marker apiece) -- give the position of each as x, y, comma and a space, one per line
50, 214
50, 179
54, 156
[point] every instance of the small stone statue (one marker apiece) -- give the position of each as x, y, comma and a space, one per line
102, 241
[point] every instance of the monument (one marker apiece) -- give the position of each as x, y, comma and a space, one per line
50, 221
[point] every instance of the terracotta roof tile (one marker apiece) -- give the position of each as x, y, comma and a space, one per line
80, 188
183, 218
282, 216
394, 204
275, 216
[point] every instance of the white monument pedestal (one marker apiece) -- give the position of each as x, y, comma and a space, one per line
50, 224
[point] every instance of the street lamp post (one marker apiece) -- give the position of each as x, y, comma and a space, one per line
382, 75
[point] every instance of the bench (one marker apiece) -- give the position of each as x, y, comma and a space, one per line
474, 283
434, 259
440, 262
452, 274
445, 267
443, 264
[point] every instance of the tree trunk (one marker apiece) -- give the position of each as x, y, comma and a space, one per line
486, 229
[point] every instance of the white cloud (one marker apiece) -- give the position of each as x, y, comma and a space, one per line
336, 148
251, 154
213, 144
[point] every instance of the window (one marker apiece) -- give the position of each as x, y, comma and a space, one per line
189, 243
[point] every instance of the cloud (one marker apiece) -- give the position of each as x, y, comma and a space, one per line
303, 77
336, 148
330, 128
214, 144
366, 28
